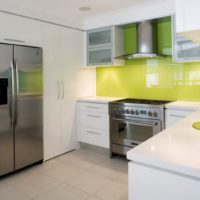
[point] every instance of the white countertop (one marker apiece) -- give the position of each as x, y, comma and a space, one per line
183, 105
98, 99
177, 148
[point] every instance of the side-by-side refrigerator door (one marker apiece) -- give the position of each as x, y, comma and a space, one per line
6, 109
29, 106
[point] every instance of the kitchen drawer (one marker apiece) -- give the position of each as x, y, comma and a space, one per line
173, 116
94, 136
95, 120
94, 107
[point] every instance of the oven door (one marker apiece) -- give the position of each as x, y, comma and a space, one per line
131, 132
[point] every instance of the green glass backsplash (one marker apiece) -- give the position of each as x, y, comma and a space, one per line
158, 78
151, 79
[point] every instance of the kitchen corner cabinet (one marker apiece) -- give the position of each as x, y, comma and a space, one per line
104, 45
63, 55
187, 19
93, 123
184, 50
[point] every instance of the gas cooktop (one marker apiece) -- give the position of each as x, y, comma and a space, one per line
142, 101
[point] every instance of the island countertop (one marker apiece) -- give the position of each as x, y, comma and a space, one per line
176, 148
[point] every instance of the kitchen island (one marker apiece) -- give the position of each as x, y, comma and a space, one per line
167, 166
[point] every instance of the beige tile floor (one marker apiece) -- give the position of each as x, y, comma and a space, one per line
79, 175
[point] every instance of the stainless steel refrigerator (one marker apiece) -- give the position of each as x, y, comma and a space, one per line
21, 107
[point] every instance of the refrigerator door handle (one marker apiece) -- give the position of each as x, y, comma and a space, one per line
12, 96
58, 82
17, 92
63, 87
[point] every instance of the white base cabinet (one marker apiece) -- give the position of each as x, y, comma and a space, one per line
173, 115
148, 183
93, 124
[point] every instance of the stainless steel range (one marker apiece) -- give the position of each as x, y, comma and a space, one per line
132, 121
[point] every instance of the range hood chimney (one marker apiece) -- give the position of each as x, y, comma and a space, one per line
146, 41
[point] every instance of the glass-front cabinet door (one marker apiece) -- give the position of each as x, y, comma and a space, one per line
185, 50
100, 56
100, 46
99, 37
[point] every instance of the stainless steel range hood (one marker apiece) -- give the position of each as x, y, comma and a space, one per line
146, 41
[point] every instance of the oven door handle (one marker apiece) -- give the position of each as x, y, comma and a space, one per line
138, 122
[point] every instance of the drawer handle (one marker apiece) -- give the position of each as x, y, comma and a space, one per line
93, 107
177, 116
94, 132
94, 116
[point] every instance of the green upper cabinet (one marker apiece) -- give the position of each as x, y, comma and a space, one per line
164, 36
130, 39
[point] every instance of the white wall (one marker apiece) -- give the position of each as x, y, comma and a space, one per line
7, 7
153, 9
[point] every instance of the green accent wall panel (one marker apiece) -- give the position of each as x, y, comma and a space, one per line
150, 79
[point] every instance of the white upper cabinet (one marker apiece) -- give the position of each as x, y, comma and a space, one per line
188, 19
20, 30
184, 50
104, 45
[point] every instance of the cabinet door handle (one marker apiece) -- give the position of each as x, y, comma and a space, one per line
96, 133
63, 89
93, 107
58, 82
177, 116
96, 116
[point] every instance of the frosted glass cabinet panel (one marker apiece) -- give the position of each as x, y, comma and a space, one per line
104, 45
186, 50
100, 56
100, 37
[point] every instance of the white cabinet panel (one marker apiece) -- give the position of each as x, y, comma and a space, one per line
94, 120
94, 136
172, 116
63, 49
20, 30
93, 124
94, 107
147, 183
187, 18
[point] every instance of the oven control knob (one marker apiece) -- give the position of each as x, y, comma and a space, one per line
155, 114
137, 112
132, 112
123, 111
127, 111
150, 114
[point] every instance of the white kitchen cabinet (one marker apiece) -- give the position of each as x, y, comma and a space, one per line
184, 50
146, 182
187, 19
174, 115
104, 45
63, 56
20, 30
93, 123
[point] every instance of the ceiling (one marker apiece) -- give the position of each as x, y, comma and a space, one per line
70, 8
